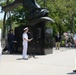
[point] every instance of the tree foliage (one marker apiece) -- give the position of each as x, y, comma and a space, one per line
63, 12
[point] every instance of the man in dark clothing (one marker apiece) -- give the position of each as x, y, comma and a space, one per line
57, 40
11, 40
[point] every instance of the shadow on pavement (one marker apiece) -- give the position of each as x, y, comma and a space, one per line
71, 73
32, 56
19, 59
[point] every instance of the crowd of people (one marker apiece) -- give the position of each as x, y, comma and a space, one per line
68, 38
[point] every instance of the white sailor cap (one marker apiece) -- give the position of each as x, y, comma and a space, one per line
26, 28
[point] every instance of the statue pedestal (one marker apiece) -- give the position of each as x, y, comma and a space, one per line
42, 39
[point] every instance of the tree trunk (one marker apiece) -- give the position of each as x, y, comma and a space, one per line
73, 23
4, 22
4, 25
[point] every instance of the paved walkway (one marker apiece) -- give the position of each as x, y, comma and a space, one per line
61, 62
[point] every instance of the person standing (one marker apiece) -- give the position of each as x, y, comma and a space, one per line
74, 38
11, 39
25, 43
57, 40
0, 43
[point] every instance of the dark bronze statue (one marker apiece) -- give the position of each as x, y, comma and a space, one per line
35, 12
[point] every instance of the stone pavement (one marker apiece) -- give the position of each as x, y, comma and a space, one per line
61, 62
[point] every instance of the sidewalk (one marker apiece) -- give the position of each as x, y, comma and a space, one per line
61, 62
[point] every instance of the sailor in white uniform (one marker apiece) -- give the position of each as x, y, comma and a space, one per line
25, 43
0, 43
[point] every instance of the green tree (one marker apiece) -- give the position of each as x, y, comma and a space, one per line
63, 12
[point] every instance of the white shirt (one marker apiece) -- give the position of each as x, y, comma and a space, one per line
25, 36
75, 37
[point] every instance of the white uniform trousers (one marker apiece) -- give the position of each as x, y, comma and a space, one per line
25, 45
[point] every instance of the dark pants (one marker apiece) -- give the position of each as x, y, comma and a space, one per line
10, 47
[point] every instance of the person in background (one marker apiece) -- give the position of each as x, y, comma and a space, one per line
10, 40
74, 38
57, 40
0, 43
25, 43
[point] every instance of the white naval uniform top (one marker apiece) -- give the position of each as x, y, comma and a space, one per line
25, 36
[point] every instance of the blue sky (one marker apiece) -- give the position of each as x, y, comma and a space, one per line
1, 14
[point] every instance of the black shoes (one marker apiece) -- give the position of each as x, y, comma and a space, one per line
25, 58
74, 71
